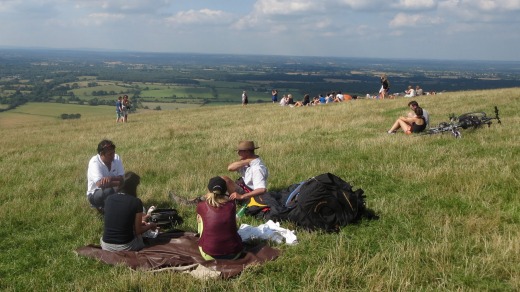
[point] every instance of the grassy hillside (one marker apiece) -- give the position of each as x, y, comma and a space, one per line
450, 210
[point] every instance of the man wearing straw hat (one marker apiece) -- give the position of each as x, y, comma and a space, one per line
252, 181
253, 173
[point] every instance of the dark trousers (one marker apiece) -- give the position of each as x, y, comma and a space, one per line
97, 199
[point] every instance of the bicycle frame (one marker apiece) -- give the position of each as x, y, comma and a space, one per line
468, 120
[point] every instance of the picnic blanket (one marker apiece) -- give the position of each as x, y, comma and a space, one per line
178, 251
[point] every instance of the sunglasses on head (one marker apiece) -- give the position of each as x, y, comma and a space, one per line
107, 146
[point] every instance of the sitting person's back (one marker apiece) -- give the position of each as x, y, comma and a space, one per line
284, 100
418, 91
290, 100
322, 99
216, 218
123, 218
410, 92
426, 116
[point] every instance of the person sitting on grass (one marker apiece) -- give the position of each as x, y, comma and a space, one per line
104, 175
410, 92
414, 124
217, 225
284, 101
252, 181
306, 101
339, 97
253, 174
414, 104
124, 219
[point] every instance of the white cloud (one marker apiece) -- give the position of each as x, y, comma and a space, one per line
496, 5
8, 5
416, 4
412, 20
364, 4
127, 6
386, 5
99, 19
286, 7
480, 11
203, 16
479, 6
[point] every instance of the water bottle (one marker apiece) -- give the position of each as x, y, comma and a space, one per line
242, 211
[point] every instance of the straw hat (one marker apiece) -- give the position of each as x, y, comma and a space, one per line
246, 145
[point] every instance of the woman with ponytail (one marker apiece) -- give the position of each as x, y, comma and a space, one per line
217, 225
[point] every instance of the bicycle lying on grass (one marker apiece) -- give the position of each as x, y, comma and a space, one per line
465, 121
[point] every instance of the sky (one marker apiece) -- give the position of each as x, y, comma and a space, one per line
400, 29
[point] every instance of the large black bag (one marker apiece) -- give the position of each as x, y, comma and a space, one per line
165, 218
326, 202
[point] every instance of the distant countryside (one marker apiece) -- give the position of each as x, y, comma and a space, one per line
158, 81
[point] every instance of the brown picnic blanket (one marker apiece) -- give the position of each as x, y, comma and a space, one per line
178, 250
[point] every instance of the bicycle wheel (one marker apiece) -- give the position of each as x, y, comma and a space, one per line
474, 120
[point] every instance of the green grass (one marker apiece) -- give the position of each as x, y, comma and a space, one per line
449, 208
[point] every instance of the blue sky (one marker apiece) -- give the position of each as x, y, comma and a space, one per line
423, 29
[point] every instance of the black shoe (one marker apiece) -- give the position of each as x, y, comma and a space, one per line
183, 201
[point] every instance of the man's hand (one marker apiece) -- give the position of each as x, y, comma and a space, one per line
236, 196
104, 182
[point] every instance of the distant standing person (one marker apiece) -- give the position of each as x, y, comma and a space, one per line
119, 109
244, 98
274, 95
125, 107
385, 87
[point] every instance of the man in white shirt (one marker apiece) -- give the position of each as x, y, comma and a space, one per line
252, 171
252, 181
104, 175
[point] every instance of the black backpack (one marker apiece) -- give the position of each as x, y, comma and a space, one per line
165, 218
327, 202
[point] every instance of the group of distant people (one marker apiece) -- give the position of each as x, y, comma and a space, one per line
123, 106
331, 97
384, 91
338, 96
113, 192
